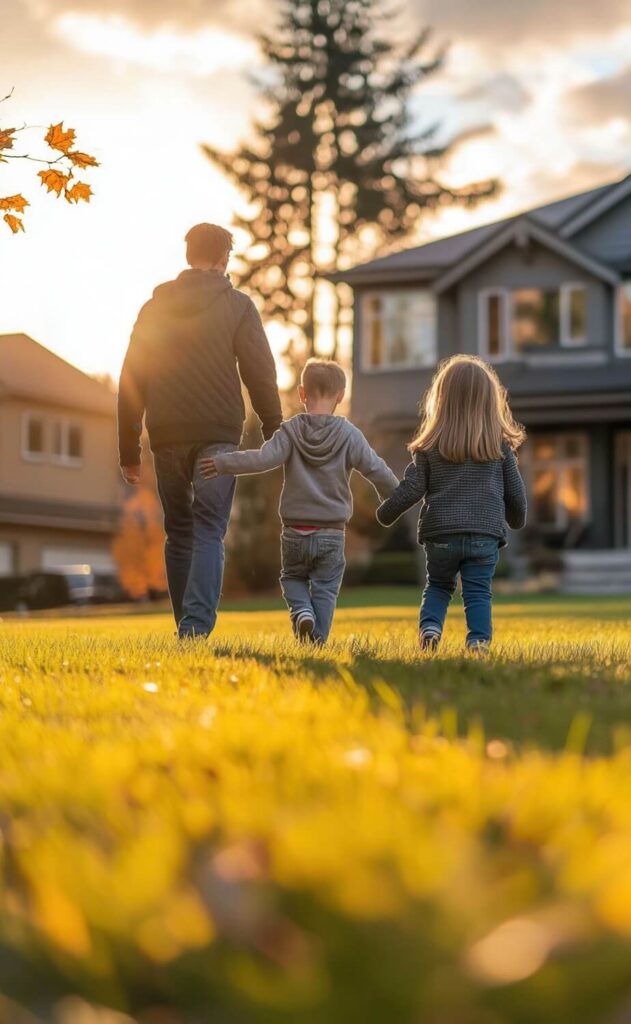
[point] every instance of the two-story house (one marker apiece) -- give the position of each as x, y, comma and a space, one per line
546, 297
60, 491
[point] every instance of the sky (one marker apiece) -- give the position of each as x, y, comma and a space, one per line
538, 90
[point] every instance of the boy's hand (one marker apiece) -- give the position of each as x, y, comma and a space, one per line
208, 468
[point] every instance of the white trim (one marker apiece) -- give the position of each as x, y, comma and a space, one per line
565, 314
594, 209
367, 319
505, 324
618, 332
579, 358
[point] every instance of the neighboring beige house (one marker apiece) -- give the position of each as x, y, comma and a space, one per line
60, 489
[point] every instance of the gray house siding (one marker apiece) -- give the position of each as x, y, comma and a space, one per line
609, 237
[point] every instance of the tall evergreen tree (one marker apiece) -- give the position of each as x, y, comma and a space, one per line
336, 170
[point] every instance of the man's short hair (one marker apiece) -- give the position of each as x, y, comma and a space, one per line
207, 243
322, 378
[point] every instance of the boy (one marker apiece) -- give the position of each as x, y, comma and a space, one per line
318, 451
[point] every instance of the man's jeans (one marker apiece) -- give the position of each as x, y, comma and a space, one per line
312, 570
196, 514
474, 556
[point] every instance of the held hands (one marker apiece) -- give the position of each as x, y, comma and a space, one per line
208, 468
131, 475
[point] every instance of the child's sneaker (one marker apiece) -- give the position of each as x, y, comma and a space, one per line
429, 640
479, 648
304, 627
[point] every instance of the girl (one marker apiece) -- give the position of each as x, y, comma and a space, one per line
465, 475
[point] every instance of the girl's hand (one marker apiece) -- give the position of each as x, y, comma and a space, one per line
208, 468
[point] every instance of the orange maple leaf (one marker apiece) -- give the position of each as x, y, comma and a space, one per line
82, 159
59, 139
17, 202
6, 138
54, 180
14, 223
79, 191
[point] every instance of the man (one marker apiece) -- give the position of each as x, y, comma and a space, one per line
189, 345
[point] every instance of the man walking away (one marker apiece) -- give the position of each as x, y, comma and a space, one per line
190, 345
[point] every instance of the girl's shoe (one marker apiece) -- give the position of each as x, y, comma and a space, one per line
429, 640
479, 647
305, 626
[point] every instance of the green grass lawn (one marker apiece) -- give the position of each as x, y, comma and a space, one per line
249, 832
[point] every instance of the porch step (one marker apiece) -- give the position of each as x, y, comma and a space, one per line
597, 572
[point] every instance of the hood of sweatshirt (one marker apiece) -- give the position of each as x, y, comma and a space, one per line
191, 293
318, 438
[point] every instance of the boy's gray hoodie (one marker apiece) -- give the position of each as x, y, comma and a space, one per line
318, 454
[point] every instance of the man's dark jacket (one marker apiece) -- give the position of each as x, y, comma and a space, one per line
189, 345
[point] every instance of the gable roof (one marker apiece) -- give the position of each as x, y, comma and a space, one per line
521, 232
429, 260
28, 370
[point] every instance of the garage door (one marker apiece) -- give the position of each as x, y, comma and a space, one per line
99, 559
7, 559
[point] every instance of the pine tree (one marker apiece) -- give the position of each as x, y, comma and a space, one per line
335, 171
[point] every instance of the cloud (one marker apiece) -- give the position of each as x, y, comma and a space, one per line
202, 52
603, 100
498, 92
150, 14
510, 25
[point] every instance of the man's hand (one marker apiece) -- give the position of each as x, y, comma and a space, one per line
208, 468
131, 475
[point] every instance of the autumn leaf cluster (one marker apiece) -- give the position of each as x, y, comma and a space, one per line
58, 177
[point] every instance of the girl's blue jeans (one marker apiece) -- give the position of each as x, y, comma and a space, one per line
474, 556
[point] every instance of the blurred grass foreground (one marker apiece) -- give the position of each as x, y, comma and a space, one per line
252, 832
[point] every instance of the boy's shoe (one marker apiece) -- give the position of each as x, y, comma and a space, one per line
429, 640
305, 626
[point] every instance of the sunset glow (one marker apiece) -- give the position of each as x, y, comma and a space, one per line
144, 86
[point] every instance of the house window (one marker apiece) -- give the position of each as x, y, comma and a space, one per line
527, 319
399, 330
493, 323
33, 445
558, 470
536, 318
52, 440
573, 314
624, 328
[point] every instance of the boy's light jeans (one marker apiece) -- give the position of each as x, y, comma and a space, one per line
312, 569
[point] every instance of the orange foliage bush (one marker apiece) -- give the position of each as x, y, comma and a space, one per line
138, 548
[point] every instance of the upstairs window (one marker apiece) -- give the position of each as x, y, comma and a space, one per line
33, 446
512, 323
536, 318
624, 323
46, 439
399, 330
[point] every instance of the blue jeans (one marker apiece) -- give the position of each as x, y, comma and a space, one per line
312, 569
474, 556
196, 514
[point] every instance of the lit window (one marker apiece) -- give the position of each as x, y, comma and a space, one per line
536, 318
558, 471
399, 329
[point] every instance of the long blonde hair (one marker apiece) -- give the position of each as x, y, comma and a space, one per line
466, 413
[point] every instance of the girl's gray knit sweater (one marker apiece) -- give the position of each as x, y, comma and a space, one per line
460, 497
